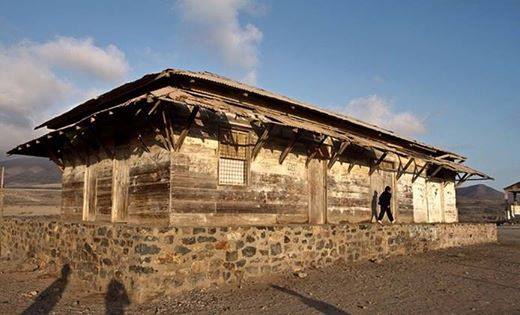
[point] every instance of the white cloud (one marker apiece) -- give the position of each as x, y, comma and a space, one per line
379, 112
107, 63
216, 23
32, 83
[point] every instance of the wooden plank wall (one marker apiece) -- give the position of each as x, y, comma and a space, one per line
103, 191
276, 193
149, 186
404, 199
348, 194
181, 187
450, 203
72, 191
420, 206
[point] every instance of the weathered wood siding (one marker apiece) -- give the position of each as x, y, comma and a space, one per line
149, 186
348, 194
450, 203
103, 191
72, 191
420, 206
434, 200
275, 193
404, 199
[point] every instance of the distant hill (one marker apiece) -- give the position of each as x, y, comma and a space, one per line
480, 192
30, 171
480, 203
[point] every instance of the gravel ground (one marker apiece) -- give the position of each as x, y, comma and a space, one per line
477, 279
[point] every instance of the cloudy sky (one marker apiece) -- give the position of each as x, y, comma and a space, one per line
443, 72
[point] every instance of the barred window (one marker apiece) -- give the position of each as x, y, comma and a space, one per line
233, 157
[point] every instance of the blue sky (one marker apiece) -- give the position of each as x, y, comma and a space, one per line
444, 72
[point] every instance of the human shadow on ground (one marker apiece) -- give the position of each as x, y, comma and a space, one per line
373, 207
116, 298
320, 306
48, 299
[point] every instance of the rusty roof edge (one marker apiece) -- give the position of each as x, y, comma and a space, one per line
457, 167
209, 76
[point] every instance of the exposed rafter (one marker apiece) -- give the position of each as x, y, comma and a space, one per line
186, 129
343, 145
168, 130
316, 150
463, 178
291, 145
401, 171
436, 171
418, 173
377, 163
261, 140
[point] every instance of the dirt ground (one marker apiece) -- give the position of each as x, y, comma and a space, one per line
478, 279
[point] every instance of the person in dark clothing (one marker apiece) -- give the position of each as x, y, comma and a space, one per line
384, 202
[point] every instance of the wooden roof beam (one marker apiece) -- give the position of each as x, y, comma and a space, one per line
316, 150
343, 145
186, 129
404, 168
168, 130
418, 173
462, 179
261, 141
377, 163
437, 170
291, 145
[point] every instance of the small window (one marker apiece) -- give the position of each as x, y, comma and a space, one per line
233, 164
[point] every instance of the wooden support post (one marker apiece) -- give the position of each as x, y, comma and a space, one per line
89, 194
291, 145
405, 167
186, 129
120, 185
415, 176
343, 145
261, 140
316, 150
376, 164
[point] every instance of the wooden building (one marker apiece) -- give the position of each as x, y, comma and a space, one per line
512, 193
193, 148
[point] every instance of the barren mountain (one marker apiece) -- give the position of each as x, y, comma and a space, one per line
30, 171
480, 203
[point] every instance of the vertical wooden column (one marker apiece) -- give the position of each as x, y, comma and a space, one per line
89, 194
120, 184
317, 173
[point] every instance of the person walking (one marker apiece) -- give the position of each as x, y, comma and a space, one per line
385, 201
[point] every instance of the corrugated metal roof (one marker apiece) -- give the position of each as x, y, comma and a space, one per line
107, 100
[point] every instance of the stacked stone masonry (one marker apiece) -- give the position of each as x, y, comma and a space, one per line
151, 261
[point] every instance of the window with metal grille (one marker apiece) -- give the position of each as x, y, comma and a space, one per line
233, 164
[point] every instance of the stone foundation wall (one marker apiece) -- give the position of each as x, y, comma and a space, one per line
153, 261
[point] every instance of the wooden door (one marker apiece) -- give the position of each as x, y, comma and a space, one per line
317, 172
